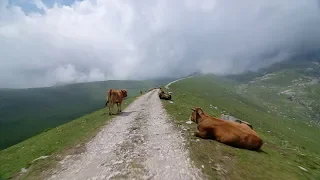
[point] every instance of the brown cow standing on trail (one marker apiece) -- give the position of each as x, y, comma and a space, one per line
227, 132
115, 97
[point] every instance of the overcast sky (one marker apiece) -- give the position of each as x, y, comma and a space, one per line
46, 42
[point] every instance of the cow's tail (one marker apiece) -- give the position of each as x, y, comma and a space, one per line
108, 97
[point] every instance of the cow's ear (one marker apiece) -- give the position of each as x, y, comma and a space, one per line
199, 111
192, 109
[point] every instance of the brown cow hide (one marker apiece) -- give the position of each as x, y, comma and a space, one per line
115, 96
164, 95
227, 132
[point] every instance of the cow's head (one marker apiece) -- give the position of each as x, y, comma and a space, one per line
124, 93
195, 114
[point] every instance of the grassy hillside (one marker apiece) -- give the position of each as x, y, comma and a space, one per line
306, 64
292, 92
56, 143
292, 146
27, 112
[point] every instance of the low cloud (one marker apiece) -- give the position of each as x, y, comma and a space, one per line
94, 40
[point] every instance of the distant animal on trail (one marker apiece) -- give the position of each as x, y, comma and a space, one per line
115, 96
227, 132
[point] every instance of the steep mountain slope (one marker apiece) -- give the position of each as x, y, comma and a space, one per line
291, 149
27, 112
292, 91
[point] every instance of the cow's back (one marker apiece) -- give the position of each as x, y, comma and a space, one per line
116, 96
235, 134
243, 127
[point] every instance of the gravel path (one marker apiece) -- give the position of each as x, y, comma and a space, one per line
141, 143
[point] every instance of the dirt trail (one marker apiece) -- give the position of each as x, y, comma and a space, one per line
141, 143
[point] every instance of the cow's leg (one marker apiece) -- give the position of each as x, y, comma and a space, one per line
120, 106
110, 108
201, 134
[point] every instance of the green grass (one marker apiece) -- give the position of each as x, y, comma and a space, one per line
55, 143
283, 78
304, 102
28, 112
288, 143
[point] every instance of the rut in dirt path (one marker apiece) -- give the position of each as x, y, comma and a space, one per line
141, 143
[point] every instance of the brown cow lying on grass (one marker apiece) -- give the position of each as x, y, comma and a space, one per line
115, 97
164, 95
227, 132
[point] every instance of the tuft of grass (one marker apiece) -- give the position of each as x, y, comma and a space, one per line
55, 143
284, 150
